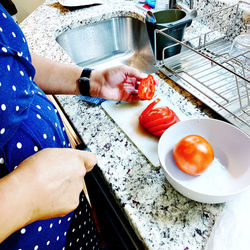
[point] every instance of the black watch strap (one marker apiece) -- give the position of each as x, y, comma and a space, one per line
86, 72
84, 82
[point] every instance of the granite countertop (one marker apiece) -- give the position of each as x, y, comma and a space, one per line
160, 216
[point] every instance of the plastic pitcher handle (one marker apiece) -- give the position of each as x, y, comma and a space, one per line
150, 17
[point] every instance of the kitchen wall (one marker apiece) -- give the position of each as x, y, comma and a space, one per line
25, 7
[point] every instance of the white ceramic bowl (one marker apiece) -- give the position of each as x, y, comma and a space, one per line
229, 173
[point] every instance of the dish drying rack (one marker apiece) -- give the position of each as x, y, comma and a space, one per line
205, 67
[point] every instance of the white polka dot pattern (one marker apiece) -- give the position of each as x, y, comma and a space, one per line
3, 107
83, 235
4, 49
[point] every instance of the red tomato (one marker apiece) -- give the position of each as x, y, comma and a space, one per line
157, 120
146, 89
193, 154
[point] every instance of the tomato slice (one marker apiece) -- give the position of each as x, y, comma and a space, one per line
193, 154
159, 133
158, 117
146, 89
148, 108
157, 120
164, 125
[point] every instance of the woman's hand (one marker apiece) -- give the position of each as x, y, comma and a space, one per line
45, 185
56, 177
118, 83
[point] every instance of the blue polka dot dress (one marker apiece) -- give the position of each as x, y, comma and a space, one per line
29, 122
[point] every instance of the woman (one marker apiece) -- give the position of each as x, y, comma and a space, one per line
41, 178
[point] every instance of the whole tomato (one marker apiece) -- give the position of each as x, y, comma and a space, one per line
193, 154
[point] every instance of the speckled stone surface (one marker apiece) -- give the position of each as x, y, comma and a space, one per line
161, 217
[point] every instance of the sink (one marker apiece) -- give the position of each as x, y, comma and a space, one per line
115, 41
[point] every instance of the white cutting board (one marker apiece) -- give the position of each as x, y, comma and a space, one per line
126, 117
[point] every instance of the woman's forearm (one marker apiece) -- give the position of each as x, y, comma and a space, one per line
56, 78
14, 206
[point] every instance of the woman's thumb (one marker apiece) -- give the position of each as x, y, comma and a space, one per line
89, 159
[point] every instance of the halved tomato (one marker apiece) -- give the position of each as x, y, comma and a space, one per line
146, 89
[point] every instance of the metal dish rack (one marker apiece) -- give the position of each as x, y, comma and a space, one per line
206, 67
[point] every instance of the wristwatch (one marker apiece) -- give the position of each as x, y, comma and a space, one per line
84, 82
